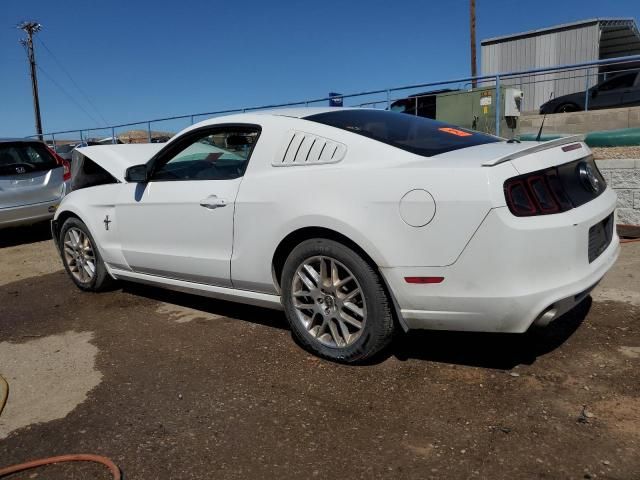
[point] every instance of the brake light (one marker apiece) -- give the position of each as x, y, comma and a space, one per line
542, 194
66, 170
66, 166
537, 193
573, 146
519, 199
558, 191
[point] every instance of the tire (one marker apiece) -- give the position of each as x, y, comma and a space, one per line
324, 316
567, 107
74, 256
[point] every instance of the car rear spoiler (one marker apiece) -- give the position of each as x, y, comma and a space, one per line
538, 147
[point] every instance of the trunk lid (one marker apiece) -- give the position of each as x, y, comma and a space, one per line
568, 159
29, 174
524, 156
539, 155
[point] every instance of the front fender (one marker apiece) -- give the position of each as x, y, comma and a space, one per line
92, 205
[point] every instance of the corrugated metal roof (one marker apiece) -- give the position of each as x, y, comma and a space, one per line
624, 23
619, 40
549, 48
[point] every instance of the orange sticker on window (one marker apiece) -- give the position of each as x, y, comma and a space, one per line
455, 131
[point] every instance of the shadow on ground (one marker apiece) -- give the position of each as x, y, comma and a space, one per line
239, 311
15, 236
488, 350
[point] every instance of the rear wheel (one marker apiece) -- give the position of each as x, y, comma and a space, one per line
335, 302
81, 258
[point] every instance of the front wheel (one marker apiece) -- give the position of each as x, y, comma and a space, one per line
567, 108
335, 302
81, 257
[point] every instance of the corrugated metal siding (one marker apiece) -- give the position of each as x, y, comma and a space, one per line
575, 45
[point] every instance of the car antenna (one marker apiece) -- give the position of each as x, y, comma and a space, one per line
543, 119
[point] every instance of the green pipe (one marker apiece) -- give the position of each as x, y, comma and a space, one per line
608, 138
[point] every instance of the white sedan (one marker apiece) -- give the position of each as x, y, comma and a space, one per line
356, 222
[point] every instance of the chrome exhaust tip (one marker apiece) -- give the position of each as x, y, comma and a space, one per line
546, 317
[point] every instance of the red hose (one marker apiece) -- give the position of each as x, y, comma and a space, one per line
78, 457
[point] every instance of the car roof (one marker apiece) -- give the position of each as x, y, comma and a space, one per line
300, 112
254, 115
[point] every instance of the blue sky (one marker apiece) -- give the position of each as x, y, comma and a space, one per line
141, 59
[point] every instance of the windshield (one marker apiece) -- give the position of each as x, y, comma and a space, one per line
419, 135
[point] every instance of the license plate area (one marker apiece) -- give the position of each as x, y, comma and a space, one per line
600, 236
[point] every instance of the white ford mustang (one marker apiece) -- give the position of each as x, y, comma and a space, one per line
356, 222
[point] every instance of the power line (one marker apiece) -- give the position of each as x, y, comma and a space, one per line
61, 66
68, 95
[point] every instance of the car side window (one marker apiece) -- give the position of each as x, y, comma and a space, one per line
622, 81
213, 154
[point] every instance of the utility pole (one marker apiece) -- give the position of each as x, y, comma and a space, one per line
472, 28
30, 28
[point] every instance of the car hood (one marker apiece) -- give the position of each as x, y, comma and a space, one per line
576, 97
115, 159
490, 154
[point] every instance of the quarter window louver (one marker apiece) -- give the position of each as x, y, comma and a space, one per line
301, 148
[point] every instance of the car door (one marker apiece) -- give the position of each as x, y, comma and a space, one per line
179, 224
609, 94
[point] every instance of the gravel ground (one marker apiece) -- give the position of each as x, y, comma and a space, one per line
603, 153
190, 388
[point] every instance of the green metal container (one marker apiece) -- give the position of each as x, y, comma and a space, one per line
474, 109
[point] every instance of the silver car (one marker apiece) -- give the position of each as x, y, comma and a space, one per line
33, 181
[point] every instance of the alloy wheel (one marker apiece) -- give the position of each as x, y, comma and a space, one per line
329, 301
79, 255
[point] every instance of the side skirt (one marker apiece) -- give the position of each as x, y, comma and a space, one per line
221, 293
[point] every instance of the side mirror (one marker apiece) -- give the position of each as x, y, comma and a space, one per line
136, 174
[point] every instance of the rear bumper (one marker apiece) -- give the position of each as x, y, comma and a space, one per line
512, 272
28, 214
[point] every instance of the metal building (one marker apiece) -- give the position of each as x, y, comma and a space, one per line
578, 42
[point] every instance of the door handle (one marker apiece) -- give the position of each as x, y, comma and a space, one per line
212, 202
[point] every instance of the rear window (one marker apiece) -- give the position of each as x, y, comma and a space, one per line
22, 157
419, 135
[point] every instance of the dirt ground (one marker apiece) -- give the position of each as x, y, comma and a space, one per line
601, 153
172, 386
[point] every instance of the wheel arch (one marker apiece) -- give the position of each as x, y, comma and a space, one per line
56, 223
288, 243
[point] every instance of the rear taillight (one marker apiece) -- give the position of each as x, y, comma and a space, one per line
67, 170
66, 166
537, 193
